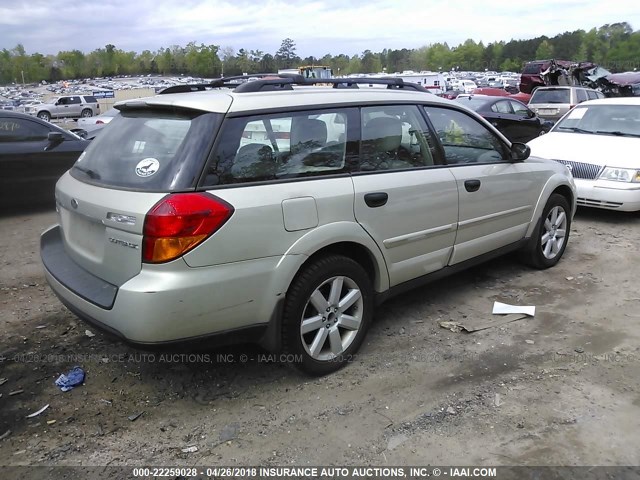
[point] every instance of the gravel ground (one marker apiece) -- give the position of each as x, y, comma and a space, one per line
557, 389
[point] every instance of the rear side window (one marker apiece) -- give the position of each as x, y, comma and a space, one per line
552, 95
532, 68
280, 146
395, 137
90, 99
582, 95
73, 100
149, 151
592, 94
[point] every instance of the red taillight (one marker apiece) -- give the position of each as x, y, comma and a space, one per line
99, 122
179, 222
282, 135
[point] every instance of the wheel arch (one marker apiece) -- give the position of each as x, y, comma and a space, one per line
353, 250
354, 243
556, 184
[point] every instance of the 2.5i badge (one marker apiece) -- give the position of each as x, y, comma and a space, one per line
147, 167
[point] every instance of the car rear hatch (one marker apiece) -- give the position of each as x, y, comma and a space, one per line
147, 153
551, 102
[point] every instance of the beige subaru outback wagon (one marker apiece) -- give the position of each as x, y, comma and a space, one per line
281, 212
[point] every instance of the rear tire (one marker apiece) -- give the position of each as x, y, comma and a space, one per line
46, 116
327, 313
549, 239
86, 113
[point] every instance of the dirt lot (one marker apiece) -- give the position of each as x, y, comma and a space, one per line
557, 389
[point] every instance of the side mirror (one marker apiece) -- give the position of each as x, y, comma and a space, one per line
54, 139
530, 114
519, 151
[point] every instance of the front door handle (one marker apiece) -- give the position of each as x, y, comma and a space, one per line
472, 185
376, 199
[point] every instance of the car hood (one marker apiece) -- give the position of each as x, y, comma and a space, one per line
602, 150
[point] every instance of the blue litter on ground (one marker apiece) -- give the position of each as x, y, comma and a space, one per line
71, 379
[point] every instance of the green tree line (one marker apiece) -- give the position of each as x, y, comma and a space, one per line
614, 46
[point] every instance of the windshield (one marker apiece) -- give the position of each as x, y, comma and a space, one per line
619, 120
552, 95
149, 150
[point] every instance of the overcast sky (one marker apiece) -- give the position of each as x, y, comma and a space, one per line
317, 27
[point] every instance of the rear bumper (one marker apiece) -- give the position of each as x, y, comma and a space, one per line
608, 195
170, 303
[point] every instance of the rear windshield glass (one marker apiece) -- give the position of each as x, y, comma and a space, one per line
530, 68
472, 103
149, 150
555, 95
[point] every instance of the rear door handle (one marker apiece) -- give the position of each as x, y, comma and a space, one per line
376, 199
472, 185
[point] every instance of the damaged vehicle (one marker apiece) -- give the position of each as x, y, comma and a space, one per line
625, 84
540, 73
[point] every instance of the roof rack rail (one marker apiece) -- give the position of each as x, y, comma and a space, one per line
284, 81
223, 82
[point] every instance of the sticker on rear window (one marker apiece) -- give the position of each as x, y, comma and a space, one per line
147, 167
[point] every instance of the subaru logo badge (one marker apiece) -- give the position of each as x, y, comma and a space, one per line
74, 203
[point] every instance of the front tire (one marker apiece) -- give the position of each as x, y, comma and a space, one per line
549, 239
327, 313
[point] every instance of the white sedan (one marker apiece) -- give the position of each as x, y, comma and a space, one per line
599, 141
93, 123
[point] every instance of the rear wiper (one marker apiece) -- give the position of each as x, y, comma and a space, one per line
576, 129
90, 173
618, 133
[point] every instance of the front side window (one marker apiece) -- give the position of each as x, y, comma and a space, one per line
519, 109
395, 137
280, 146
465, 139
502, 107
21, 130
